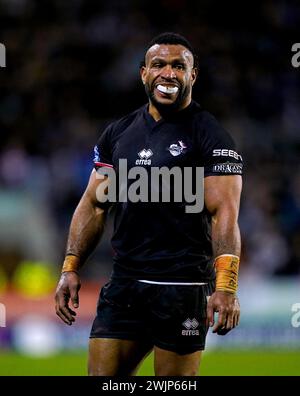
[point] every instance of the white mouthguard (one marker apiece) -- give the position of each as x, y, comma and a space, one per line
167, 90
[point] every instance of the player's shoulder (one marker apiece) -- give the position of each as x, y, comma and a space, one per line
204, 118
207, 123
118, 125
210, 131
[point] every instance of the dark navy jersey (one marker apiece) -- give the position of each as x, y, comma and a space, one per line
160, 240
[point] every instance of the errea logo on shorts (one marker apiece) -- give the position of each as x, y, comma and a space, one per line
191, 326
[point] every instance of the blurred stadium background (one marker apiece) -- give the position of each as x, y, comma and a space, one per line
72, 67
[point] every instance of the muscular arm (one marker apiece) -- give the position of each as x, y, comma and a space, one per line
222, 199
86, 228
88, 222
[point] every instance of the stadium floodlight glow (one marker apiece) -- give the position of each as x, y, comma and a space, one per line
166, 89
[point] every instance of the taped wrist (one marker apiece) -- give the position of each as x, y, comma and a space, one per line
227, 271
71, 263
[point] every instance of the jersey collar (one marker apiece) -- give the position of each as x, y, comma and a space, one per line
186, 112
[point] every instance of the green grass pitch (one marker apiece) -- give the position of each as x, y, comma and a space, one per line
255, 362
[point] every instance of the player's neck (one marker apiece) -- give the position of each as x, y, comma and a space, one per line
156, 114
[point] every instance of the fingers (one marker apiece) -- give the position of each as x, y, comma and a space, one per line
232, 316
238, 311
63, 310
63, 317
75, 295
223, 331
235, 315
229, 324
237, 318
67, 288
210, 314
221, 320
230, 321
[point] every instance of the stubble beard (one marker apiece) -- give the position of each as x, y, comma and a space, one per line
167, 109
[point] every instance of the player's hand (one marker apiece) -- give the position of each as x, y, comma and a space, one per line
67, 288
228, 307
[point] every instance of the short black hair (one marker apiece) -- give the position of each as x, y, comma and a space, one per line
172, 39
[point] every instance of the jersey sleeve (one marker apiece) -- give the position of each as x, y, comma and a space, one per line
103, 151
218, 150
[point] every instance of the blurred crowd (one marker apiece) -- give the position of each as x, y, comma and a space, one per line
73, 66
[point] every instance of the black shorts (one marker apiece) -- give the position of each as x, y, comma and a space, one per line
171, 317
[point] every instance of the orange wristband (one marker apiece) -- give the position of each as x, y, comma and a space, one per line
227, 271
71, 263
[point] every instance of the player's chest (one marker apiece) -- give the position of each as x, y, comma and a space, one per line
159, 147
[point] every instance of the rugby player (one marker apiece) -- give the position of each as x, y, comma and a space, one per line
173, 270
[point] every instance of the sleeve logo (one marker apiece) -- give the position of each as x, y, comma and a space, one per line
227, 153
228, 167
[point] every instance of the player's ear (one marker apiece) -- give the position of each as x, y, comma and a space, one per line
143, 73
194, 75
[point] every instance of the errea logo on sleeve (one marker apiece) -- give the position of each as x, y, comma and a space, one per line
2, 55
